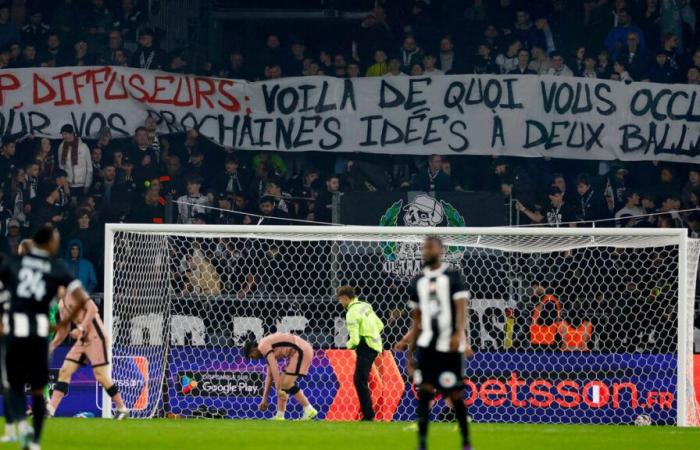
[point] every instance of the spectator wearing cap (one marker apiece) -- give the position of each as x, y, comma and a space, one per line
35, 31
10, 242
432, 178
74, 157
194, 202
631, 210
8, 30
147, 55
557, 213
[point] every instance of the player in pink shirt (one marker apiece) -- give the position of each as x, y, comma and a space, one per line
298, 355
91, 345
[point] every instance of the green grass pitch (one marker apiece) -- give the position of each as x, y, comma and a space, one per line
96, 434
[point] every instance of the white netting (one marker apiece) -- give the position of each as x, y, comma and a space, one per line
602, 310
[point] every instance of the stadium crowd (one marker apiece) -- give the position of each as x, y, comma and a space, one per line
80, 184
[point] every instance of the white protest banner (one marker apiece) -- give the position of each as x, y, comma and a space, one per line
459, 114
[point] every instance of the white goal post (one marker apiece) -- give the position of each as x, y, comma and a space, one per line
569, 325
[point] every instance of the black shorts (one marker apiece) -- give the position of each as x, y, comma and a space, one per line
445, 371
27, 362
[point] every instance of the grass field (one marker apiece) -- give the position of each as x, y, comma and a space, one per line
94, 434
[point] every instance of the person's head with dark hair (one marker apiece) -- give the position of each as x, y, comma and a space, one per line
146, 38
273, 186
632, 198
250, 350
272, 41
583, 183
665, 221
446, 45
559, 180
194, 185
199, 219
624, 18
432, 252
649, 201
47, 238
333, 183
273, 71
345, 294
266, 205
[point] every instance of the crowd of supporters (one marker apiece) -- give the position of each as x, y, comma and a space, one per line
80, 184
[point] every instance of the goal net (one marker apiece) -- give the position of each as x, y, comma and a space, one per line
567, 325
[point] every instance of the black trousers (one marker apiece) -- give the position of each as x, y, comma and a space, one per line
363, 365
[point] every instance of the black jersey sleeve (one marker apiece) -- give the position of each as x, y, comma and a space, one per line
458, 286
412, 291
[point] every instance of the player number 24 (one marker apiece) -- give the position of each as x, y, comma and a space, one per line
31, 284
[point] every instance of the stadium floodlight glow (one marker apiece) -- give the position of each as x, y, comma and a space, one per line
181, 300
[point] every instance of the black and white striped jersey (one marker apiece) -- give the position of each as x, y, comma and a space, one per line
434, 292
32, 281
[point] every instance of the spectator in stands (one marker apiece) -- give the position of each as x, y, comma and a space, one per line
673, 17
53, 54
409, 54
635, 57
511, 181
380, 66
201, 274
589, 68
629, 214
10, 242
432, 178
8, 30
81, 56
508, 61
693, 76
693, 184
273, 189
546, 40
233, 180
540, 63
128, 18
522, 66
192, 203
8, 159
559, 68
394, 68
557, 213
605, 66
429, 66
448, 61
672, 51
591, 203
323, 210
150, 210
617, 38
35, 31
147, 55
483, 61
29, 57
524, 30
662, 71
270, 214
79, 267
75, 159
671, 204
620, 72
353, 70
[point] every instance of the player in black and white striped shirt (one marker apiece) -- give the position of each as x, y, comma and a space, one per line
438, 299
33, 281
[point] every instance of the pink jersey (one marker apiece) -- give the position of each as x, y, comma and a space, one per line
282, 345
95, 328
